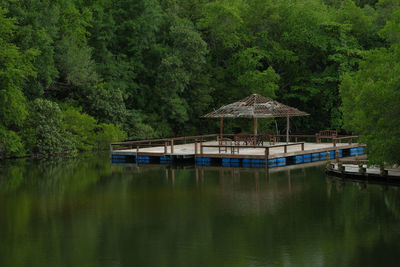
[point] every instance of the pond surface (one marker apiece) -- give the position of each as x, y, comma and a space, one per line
84, 212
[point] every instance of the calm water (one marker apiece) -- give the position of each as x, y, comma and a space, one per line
83, 212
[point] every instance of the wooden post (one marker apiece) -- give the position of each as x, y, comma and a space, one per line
341, 168
285, 148
137, 150
172, 146
302, 146
361, 169
221, 127
201, 148
195, 147
266, 157
255, 131
287, 129
165, 148
382, 170
254, 126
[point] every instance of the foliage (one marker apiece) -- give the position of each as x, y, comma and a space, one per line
10, 144
13, 110
153, 67
44, 130
15, 68
371, 103
106, 103
80, 127
84, 131
136, 128
107, 133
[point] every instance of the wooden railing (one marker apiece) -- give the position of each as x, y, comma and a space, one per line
169, 143
294, 137
237, 147
339, 139
166, 142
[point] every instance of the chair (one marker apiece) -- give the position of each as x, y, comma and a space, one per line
329, 134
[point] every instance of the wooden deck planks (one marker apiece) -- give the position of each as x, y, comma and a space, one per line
188, 150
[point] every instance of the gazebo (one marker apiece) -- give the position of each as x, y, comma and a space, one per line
255, 106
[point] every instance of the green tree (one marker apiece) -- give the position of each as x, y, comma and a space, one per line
44, 132
38, 29
84, 131
180, 77
11, 144
371, 103
15, 69
80, 126
107, 133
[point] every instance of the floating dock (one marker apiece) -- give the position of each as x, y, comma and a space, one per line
362, 171
205, 152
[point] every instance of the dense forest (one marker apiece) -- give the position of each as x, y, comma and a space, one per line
75, 74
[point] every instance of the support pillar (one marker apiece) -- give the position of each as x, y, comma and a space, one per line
287, 129
255, 131
221, 127
255, 126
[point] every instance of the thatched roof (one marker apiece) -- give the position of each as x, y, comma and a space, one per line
255, 106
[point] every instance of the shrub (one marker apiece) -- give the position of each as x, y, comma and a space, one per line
10, 144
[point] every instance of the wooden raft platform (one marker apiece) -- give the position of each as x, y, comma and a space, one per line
214, 148
210, 149
353, 170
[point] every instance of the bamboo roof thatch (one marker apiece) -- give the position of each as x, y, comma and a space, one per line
255, 106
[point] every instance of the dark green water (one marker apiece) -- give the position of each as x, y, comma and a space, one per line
82, 212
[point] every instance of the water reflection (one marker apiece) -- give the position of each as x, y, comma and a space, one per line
86, 212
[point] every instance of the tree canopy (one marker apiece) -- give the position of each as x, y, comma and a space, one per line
151, 68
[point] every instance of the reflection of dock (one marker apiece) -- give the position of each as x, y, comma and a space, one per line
253, 189
226, 176
211, 149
